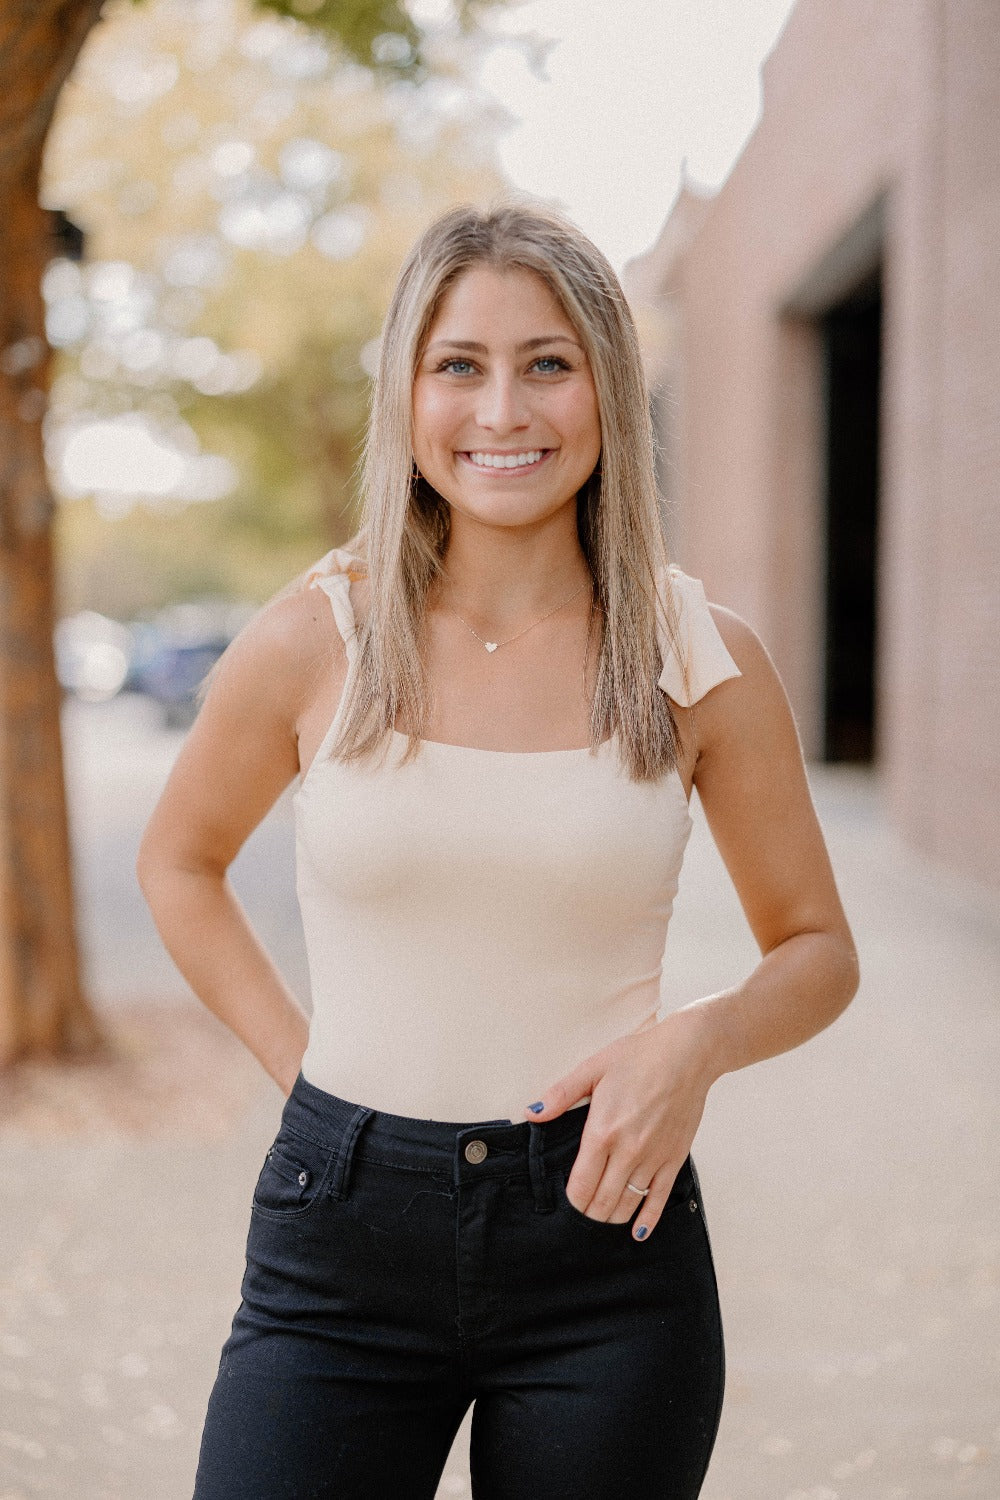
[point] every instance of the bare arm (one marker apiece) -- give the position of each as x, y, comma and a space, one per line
240, 755
648, 1089
753, 787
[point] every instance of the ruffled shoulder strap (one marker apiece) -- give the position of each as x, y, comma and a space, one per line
334, 574
704, 661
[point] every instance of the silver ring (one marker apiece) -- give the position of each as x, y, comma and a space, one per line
641, 1191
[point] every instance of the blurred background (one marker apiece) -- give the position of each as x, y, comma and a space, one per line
206, 202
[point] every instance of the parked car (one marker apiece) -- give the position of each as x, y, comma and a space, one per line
173, 676
165, 657
147, 642
183, 644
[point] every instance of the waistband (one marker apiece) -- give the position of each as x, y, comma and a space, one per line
464, 1151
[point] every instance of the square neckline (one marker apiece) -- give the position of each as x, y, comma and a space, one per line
322, 758
339, 594
672, 775
337, 587
491, 750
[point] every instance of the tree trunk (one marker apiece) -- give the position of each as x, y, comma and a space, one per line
42, 1005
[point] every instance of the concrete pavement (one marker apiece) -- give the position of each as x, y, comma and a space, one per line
850, 1186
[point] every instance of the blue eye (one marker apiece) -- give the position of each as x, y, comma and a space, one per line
553, 362
449, 364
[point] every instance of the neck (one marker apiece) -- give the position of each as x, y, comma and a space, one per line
504, 574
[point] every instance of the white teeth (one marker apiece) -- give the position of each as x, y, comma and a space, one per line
506, 460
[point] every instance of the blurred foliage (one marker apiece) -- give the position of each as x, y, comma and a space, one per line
376, 33
247, 190
155, 556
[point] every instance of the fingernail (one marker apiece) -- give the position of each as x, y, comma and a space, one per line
536, 1106
641, 1232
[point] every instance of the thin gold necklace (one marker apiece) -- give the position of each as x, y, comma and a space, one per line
492, 646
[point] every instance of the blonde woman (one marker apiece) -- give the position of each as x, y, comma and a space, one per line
498, 699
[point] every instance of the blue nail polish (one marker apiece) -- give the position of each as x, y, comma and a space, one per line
641, 1232
536, 1107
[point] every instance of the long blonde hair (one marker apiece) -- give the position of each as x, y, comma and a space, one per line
405, 523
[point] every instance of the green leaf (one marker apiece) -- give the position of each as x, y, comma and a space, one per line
377, 33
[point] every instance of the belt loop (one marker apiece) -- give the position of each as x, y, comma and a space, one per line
541, 1185
342, 1166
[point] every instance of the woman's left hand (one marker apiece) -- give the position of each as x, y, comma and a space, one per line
647, 1095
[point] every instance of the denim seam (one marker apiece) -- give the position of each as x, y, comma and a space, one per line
339, 1186
683, 1200
304, 1135
279, 1214
400, 1166
719, 1330
443, 1171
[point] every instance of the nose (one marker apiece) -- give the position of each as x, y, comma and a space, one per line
503, 407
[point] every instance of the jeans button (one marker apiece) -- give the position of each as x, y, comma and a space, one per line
475, 1151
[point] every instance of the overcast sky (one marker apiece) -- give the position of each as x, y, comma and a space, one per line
630, 88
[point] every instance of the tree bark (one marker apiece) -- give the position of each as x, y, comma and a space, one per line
43, 1008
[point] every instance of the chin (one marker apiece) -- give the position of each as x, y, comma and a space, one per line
508, 513
506, 508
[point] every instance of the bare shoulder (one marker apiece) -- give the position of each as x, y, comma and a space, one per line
277, 657
242, 750
741, 641
751, 708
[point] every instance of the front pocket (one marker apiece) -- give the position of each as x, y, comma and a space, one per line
293, 1176
682, 1192
605, 1226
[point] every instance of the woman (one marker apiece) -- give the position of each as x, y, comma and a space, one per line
498, 698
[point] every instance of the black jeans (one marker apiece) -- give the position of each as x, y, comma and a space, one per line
400, 1269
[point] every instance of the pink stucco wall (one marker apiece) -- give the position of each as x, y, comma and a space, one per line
892, 103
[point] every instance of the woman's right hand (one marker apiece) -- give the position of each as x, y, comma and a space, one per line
239, 756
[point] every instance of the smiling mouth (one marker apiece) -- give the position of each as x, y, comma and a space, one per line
507, 463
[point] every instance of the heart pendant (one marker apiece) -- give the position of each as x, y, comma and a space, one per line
491, 645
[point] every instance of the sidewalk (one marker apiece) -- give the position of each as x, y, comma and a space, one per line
851, 1191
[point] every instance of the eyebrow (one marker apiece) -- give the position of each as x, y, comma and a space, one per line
474, 348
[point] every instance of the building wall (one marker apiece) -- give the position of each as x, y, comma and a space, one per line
965, 821
880, 135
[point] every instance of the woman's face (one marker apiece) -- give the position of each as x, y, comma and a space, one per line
505, 416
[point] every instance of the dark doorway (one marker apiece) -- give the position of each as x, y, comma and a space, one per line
852, 342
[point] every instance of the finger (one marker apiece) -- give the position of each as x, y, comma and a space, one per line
564, 1093
584, 1181
612, 1202
631, 1201
655, 1200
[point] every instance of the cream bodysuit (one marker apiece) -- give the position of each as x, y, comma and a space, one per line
479, 921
